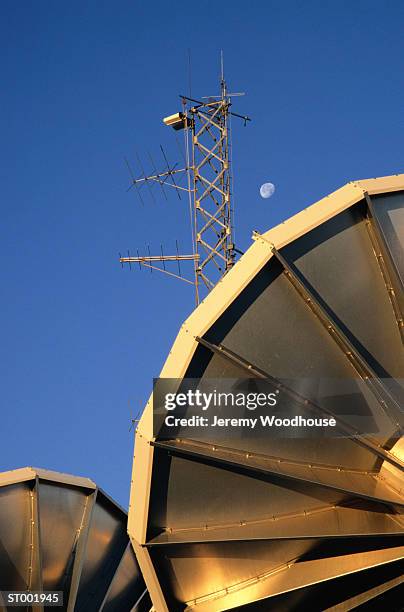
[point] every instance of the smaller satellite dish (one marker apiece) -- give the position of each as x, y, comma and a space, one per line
267, 190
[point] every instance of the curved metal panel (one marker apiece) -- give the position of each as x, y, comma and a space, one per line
15, 536
106, 543
267, 569
389, 210
378, 588
337, 259
127, 587
62, 509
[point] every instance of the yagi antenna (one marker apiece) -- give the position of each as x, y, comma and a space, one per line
170, 172
158, 262
134, 183
146, 179
205, 123
155, 171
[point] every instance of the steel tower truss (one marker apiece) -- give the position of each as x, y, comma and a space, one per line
206, 127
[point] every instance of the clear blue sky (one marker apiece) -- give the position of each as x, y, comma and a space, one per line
85, 84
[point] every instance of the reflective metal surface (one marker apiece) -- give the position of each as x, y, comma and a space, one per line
255, 523
62, 533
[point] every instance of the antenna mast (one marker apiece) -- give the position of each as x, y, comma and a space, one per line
206, 126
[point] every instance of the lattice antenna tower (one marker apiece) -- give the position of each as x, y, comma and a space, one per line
207, 171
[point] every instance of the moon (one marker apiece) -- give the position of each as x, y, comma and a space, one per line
267, 190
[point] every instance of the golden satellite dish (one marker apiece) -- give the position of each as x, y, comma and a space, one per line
62, 533
280, 524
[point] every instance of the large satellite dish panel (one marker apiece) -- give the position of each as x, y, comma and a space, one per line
303, 524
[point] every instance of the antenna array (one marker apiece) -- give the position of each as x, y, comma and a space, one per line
207, 169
